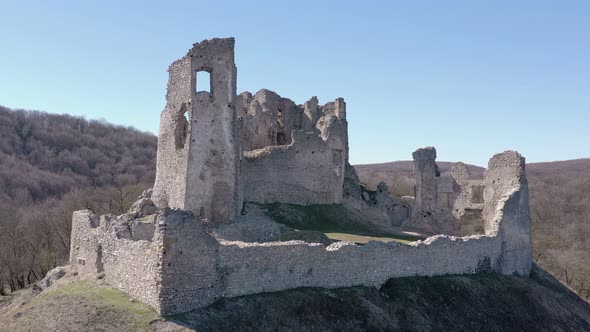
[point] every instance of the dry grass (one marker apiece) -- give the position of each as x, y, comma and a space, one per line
78, 306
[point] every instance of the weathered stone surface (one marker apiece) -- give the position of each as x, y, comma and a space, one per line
506, 211
254, 226
426, 172
198, 144
144, 205
52, 276
294, 154
307, 171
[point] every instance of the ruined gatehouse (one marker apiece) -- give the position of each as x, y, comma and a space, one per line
190, 241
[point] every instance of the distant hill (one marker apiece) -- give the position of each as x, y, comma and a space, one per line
45, 155
407, 167
560, 210
576, 167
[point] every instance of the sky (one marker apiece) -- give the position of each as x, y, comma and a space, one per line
471, 78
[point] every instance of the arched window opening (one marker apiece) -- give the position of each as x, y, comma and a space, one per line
203, 81
181, 130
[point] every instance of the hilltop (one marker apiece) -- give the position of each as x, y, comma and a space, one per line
481, 302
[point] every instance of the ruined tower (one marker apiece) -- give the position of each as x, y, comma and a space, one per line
198, 147
426, 172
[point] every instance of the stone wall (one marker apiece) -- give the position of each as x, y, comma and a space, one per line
269, 119
277, 167
426, 172
263, 267
307, 171
198, 145
506, 211
105, 245
84, 246
189, 276
449, 204
185, 267
298, 264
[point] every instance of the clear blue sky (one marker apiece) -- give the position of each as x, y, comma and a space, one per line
470, 77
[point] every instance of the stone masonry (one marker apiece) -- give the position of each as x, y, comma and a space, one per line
292, 153
198, 145
185, 245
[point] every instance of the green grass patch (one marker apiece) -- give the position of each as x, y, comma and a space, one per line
332, 219
103, 295
362, 239
81, 305
145, 218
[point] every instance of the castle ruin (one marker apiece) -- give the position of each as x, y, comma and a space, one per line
189, 241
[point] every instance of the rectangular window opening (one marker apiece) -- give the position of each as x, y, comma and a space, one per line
203, 81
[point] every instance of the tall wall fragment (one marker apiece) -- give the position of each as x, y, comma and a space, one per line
198, 146
426, 171
506, 211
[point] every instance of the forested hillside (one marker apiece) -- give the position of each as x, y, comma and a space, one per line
560, 211
51, 165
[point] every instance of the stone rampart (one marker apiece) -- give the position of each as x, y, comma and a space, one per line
267, 267
184, 266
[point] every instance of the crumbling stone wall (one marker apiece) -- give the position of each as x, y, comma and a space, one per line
506, 211
105, 245
186, 267
307, 171
426, 172
445, 204
189, 277
269, 119
468, 203
198, 145
433, 196
346, 264
293, 153
84, 246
